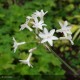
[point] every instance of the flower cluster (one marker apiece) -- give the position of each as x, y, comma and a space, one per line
37, 22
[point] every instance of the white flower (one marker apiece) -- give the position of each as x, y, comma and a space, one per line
27, 61
65, 28
40, 14
38, 24
69, 37
31, 50
25, 25
48, 36
16, 44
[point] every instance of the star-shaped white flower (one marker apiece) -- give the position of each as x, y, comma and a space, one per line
16, 44
48, 36
27, 61
69, 37
40, 14
25, 25
38, 24
65, 28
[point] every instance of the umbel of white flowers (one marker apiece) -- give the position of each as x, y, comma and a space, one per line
37, 22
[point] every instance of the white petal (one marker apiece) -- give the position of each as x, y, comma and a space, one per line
54, 38
37, 13
30, 65
35, 18
29, 28
28, 17
44, 40
50, 42
52, 31
24, 61
30, 54
21, 43
23, 26
15, 48
31, 50
60, 30
65, 34
69, 32
44, 25
60, 24
46, 12
14, 39
43, 13
41, 35
65, 23
40, 27
45, 31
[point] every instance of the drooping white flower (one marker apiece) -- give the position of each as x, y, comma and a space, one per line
48, 36
69, 37
65, 28
31, 50
25, 25
27, 61
16, 44
40, 14
38, 24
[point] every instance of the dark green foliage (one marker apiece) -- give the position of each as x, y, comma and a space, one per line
12, 14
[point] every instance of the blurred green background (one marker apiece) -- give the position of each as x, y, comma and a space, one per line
13, 13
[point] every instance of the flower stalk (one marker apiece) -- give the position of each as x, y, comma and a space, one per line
75, 73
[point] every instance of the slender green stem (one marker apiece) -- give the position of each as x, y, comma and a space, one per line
32, 42
75, 73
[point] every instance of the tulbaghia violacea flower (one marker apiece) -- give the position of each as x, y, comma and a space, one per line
65, 28
40, 14
69, 37
27, 61
16, 44
48, 36
25, 25
38, 24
